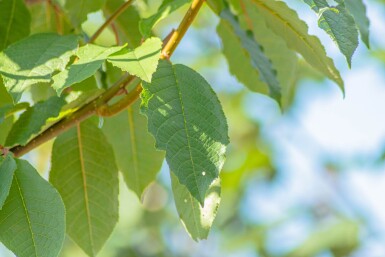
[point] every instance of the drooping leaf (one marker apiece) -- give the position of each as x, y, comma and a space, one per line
91, 57
142, 61
339, 24
85, 174
285, 23
284, 60
15, 21
32, 221
167, 7
187, 121
229, 28
134, 148
7, 169
196, 218
33, 119
78, 9
358, 9
126, 23
34, 59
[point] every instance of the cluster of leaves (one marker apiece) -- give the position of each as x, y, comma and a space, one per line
50, 57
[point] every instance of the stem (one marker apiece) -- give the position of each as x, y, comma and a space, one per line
118, 12
99, 104
127, 100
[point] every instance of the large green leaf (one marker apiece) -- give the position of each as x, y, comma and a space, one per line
7, 169
142, 61
78, 9
167, 7
251, 50
358, 9
32, 221
196, 218
284, 60
85, 174
134, 148
187, 121
90, 59
34, 59
15, 21
339, 24
33, 119
126, 23
285, 23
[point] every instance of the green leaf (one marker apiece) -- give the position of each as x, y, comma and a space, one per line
85, 174
15, 21
127, 22
5, 98
229, 28
33, 119
78, 9
5, 127
34, 59
7, 169
91, 58
187, 121
134, 148
285, 22
167, 7
142, 61
32, 221
358, 9
196, 219
9, 109
339, 24
284, 60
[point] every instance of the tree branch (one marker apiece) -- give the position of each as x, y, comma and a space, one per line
118, 12
100, 102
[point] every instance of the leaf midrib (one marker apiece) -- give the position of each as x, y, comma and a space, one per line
186, 128
84, 177
133, 148
26, 214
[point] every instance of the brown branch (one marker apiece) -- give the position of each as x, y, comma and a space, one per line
118, 12
94, 106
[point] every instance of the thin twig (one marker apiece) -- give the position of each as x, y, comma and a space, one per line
119, 11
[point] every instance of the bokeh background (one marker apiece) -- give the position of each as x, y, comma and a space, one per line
305, 182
